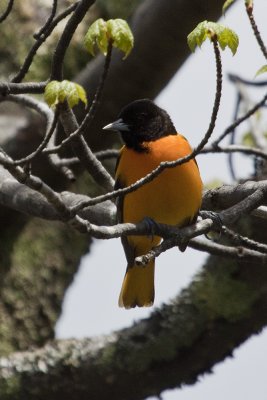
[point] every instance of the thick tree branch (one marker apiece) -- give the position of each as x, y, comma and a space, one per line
21, 88
26, 200
228, 195
172, 347
173, 236
23, 199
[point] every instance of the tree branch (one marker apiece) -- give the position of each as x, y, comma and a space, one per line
42, 109
237, 252
235, 149
41, 37
82, 150
7, 11
23, 199
89, 117
173, 347
21, 88
240, 240
249, 10
248, 114
228, 195
65, 38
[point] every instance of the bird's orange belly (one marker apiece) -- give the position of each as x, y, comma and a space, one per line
173, 197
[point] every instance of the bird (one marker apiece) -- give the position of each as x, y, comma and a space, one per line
173, 197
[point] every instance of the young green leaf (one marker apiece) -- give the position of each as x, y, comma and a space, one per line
226, 5
262, 70
226, 37
97, 36
57, 92
121, 35
51, 93
116, 31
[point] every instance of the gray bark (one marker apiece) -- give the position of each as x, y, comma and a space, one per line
224, 305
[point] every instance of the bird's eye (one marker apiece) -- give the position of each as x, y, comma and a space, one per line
142, 114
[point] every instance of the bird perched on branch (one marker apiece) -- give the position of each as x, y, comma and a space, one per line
173, 197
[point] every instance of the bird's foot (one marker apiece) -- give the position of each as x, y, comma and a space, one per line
152, 225
215, 234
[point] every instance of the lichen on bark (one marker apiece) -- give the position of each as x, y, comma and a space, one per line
43, 261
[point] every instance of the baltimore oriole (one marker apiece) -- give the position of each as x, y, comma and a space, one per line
173, 197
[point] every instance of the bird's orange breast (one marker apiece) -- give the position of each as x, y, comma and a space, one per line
174, 196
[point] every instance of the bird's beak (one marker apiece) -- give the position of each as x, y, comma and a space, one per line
118, 125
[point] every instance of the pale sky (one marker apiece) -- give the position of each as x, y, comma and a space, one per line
90, 307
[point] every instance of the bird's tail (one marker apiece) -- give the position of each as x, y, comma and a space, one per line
138, 286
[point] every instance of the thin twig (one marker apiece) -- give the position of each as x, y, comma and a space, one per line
255, 130
50, 128
235, 149
240, 120
51, 121
49, 20
81, 149
40, 39
7, 11
85, 124
235, 78
42, 109
232, 137
65, 38
239, 253
99, 91
56, 163
100, 155
240, 240
249, 10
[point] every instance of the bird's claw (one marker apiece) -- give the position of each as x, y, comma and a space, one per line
215, 234
215, 217
152, 226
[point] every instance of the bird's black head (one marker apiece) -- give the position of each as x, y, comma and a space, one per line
142, 121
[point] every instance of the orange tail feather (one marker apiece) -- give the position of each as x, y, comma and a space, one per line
138, 286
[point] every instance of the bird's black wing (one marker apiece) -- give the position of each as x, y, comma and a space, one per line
129, 250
